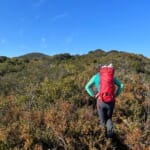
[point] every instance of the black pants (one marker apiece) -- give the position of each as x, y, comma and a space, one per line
105, 111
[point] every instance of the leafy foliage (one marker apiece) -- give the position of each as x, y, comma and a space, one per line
43, 103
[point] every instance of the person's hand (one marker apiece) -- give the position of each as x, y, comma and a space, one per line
96, 95
116, 96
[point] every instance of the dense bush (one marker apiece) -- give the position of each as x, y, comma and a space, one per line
43, 103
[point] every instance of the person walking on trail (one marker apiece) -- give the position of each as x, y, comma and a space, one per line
105, 94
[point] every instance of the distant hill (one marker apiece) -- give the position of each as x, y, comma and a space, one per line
34, 55
60, 65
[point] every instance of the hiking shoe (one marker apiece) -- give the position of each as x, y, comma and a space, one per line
109, 134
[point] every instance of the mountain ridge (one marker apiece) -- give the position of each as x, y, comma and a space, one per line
40, 54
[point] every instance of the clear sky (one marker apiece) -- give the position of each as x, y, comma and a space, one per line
74, 26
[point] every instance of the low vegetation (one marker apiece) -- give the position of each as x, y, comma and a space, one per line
43, 103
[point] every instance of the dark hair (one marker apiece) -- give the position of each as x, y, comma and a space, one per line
97, 67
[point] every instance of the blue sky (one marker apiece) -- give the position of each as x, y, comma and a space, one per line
74, 26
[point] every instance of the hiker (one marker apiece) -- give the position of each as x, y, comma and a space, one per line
105, 95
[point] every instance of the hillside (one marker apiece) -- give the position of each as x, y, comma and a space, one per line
33, 56
43, 104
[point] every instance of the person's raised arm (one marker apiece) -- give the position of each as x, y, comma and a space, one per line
88, 86
119, 85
